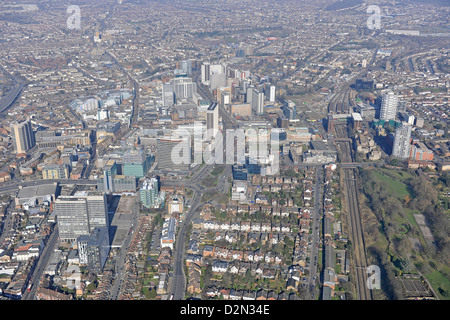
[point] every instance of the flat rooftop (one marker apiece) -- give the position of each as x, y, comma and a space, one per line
212, 106
121, 222
38, 191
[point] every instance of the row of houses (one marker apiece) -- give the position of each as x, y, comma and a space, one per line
236, 294
330, 277
274, 210
164, 263
17, 283
258, 270
213, 252
243, 226
279, 179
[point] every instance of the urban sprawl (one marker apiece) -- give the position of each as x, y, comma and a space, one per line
118, 180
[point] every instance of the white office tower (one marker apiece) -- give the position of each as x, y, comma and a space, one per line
206, 67
217, 68
249, 94
272, 89
183, 88
241, 75
212, 121
80, 214
402, 141
217, 80
225, 98
389, 103
179, 89
257, 101
72, 217
102, 114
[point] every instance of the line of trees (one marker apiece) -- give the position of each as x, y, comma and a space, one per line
426, 200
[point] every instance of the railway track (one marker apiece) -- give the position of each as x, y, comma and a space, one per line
354, 219
339, 103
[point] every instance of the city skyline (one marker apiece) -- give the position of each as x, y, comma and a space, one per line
224, 151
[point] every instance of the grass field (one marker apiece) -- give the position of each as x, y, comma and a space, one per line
394, 187
440, 281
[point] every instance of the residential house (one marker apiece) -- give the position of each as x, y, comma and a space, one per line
261, 294
272, 295
291, 284
193, 247
194, 258
258, 271
235, 255
249, 295
282, 296
233, 268
211, 292
253, 237
269, 257
248, 256
208, 251
197, 223
255, 227
225, 226
266, 209
245, 226
266, 227
269, 273
225, 293
261, 198
235, 226
193, 286
219, 266
243, 268
231, 237
235, 294
220, 253
258, 255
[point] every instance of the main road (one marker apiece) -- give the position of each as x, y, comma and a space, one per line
11, 97
41, 265
178, 282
